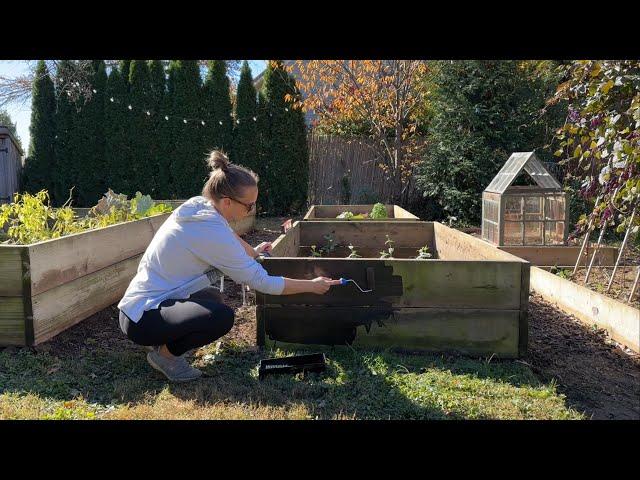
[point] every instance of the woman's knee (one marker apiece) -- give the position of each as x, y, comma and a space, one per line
226, 316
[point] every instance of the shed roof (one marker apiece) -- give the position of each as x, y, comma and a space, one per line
512, 168
5, 132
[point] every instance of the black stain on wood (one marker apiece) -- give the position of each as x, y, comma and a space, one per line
333, 318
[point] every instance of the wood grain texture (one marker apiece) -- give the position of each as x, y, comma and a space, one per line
11, 269
12, 321
62, 260
467, 331
61, 307
453, 244
406, 283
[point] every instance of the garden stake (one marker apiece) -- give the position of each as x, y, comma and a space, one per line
624, 243
595, 252
586, 239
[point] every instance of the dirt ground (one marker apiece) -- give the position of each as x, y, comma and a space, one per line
597, 376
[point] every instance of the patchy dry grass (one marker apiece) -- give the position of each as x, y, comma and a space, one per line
105, 384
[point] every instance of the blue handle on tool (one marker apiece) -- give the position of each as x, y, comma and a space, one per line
343, 281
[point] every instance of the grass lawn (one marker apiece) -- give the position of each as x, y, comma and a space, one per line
111, 384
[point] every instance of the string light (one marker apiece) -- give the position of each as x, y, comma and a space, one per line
185, 120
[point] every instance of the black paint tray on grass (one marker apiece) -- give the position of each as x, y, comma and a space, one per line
314, 362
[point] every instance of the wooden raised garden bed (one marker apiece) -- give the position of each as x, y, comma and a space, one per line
330, 212
46, 287
470, 297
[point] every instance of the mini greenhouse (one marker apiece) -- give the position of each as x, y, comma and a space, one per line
524, 214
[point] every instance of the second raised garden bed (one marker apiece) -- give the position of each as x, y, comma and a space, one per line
470, 297
330, 212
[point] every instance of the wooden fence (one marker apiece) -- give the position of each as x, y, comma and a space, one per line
334, 161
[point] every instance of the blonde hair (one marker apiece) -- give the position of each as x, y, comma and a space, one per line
226, 179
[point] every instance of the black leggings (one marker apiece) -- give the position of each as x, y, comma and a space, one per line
182, 324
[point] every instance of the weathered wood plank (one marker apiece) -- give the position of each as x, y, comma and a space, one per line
58, 261
404, 283
455, 245
468, 331
302, 268
367, 233
330, 212
311, 213
286, 245
61, 307
400, 213
12, 321
11, 270
561, 256
523, 341
620, 320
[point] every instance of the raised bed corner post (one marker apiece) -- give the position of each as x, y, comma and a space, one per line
624, 243
586, 238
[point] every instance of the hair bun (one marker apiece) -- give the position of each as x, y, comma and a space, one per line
218, 160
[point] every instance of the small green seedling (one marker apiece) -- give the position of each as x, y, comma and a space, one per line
314, 252
330, 246
389, 253
353, 253
423, 253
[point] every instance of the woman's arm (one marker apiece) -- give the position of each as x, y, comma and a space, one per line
248, 248
319, 285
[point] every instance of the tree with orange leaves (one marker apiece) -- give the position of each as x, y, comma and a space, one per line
383, 95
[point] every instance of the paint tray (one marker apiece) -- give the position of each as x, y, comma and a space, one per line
314, 362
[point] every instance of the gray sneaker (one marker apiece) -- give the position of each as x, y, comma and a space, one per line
176, 369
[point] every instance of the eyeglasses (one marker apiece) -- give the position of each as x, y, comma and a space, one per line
248, 206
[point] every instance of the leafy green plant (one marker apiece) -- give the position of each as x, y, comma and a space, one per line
389, 253
378, 212
346, 215
30, 218
423, 253
330, 246
314, 252
353, 253
352, 216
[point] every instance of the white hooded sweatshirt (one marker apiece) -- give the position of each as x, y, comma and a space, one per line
193, 239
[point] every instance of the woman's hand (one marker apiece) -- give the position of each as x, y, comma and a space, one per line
263, 247
321, 285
